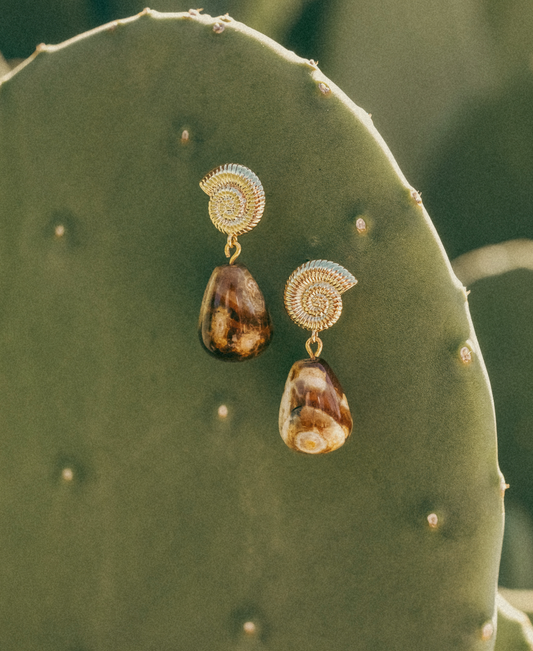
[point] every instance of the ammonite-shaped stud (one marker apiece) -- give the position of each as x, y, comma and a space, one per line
236, 198
234, 322
314, 416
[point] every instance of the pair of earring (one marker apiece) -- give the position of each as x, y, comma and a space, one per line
235, 324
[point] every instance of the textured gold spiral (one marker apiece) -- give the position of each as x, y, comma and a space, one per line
237, 198
313, 294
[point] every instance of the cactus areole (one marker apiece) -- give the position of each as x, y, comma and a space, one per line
147, 499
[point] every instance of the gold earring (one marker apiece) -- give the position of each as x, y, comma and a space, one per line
314, 416
234, 322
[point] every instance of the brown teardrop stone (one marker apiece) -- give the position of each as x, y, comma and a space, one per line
314, 416
234, 322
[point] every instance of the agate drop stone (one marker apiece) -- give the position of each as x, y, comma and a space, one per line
234, 322
314, 416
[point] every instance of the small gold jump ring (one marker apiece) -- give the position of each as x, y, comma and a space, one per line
314, 339
230, 244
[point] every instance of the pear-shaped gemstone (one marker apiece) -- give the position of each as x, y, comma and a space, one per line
234, 322
314, 416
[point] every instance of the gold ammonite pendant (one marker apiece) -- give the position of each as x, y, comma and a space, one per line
313, 294
237, 198
314, 415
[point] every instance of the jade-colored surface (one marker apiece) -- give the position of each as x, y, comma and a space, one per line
502, 310
26, 23
136, 513
515, 632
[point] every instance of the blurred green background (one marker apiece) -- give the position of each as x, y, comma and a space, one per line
449, 86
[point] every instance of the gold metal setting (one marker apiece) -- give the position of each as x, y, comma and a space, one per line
234, 323
314, 339
314, 416
237, 198
232, 244
313, 294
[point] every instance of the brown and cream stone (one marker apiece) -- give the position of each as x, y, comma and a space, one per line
234, 322
314, 416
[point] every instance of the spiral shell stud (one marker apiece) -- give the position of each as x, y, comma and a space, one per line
237, 198
313, 294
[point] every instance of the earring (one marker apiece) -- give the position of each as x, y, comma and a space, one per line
234, 322
314, 416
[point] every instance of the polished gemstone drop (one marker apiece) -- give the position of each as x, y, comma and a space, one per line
234, 322
314, 416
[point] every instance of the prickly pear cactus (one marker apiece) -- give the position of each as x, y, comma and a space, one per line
272, 17
500, 279
372, 51
147, 499
515, 632
480, 182
55, 20
24, 24
4, 66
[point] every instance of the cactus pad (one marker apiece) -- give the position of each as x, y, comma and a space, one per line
147, 499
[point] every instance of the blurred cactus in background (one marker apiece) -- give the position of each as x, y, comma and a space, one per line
515, 632
501, 300
4, 66
479, 189
26, 23
480, 183
409, 63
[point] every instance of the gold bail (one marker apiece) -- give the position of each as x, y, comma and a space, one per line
232, 244
314, 339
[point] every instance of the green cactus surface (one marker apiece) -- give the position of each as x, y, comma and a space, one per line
479, 185
408, 63
147, 499
500, 278
515, 632
26, 23
522, 600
